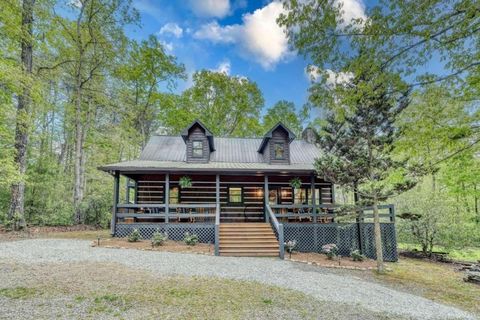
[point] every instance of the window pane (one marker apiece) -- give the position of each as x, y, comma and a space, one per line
235, 195
197, 148
279, 150
173, 196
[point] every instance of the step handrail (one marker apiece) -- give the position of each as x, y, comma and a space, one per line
217, 229
279, 228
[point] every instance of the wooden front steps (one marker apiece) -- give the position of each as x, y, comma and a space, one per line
247, 239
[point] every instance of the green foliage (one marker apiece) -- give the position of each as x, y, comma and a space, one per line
295, 183
158, 239
185, 182
134, 236
331, 250
227, 105
190, 239
357, 256
284, 112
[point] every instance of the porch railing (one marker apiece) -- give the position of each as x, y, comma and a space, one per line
175, 212
278, 227
328, 213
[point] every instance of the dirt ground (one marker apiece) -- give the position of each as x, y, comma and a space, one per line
168, 246
322, 260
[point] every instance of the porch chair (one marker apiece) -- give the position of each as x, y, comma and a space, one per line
182, 211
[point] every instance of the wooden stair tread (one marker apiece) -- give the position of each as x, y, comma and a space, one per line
247, 239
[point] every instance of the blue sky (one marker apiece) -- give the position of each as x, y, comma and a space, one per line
239, 37
235, 36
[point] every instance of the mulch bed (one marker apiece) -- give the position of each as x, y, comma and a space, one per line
168, 246
322, 260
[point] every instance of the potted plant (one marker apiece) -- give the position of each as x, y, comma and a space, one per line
290, 246
296, 183
185, 182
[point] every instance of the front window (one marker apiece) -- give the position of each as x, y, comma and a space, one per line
279, 150
197, 149
235, 195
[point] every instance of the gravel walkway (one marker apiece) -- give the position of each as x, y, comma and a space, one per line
318, 282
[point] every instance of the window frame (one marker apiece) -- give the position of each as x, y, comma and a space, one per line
241, 195
194, 148
282, 144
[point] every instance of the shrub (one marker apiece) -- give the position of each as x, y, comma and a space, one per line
357, 256
134, 236
331, 250
190, 239
291, 245
158, 239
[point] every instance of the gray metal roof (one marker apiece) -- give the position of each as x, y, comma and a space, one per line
148, 165
169, 153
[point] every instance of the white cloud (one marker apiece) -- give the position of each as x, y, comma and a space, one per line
210, 8
258, 36
351, 9
223, 67
167, 45
171, 28
332, 78
216, 33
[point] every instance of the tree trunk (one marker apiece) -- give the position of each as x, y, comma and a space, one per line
16, 212
378, 237
78, 189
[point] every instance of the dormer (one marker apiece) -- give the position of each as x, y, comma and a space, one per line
199, 142
275, 145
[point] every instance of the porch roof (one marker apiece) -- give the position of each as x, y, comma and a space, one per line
151, 165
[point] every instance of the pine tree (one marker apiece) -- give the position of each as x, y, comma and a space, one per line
359, 139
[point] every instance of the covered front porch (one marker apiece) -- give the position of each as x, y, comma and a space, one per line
161, 198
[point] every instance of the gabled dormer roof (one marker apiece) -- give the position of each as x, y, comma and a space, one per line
268, 135
208, 133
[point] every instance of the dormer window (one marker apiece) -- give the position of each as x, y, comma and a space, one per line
197, 148
279, 150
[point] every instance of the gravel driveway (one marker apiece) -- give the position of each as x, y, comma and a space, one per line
320, 283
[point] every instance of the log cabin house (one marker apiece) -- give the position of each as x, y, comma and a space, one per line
245, 196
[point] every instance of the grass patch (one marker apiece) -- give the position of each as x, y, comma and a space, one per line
18, 292
110, 303
436, 281
466, 254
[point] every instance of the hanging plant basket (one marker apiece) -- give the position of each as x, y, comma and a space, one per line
185, 182
296, 183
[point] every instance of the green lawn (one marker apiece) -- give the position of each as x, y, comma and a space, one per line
465, 254
435, 281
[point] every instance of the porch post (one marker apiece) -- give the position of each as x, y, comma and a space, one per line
217, 214
116, 187
167, 196
265, 196
314, 197
127, 191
